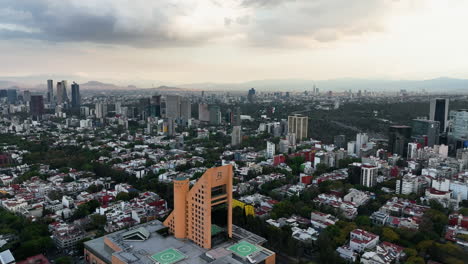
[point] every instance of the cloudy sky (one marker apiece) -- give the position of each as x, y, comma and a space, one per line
186, 41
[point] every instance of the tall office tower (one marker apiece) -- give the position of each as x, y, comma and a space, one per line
398, 139
3, 93
36, 106
361, 140
236, 136
100, 110
155, 106
203, 113
192, 215
298, 125
60, 93
118, 108
368, 175
185, 110
50, 91
412, 151
426, 132
439, 112
65, 89
26, 96
12, 96
236, 117
270, 150
351, 147
173, 106
340, 141
215, 115
75, 93
459, 124
251, 95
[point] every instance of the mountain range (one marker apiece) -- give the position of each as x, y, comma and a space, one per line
439, 85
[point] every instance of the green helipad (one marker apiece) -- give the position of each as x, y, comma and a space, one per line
168, 256
243, 248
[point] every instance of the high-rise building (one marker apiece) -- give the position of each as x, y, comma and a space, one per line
203, 113
270, 150
50, 91
298, 125
185, 110
361, 140
155, 109
439, 112
398, 139
36, 106
215, 115
340, 141
426, 132
100, 110
27, 96
191, 218
65, 89
412, 151
75, 93
368, 175
173, 106
459, 124
60, 95
251, 95
12, 96
236, 136
236, 117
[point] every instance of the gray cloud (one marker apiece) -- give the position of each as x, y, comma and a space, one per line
152, 23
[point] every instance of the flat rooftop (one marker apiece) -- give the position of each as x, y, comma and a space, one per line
166, 249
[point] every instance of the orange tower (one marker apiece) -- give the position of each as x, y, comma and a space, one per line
191, 217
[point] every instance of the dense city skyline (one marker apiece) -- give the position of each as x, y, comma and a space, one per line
233, 41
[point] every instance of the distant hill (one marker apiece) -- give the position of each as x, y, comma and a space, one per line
438, 85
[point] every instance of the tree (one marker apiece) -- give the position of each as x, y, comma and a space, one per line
415, 260
64, 260
98, 221
123, 196
389, 235
363, 221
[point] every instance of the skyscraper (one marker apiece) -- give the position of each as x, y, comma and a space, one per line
459, 125
270, 151
368, 175
36, 106
101, 110
439, 112
185, 110
236, 136
173, 106
155, 108
251, 95
215, 115
236, 117
361, 140
426, 132
12, 96
398, 139
64, 92
298, 125
75, 93
50, 91
203, 113
60, 98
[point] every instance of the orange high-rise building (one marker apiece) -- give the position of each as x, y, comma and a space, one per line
191, 217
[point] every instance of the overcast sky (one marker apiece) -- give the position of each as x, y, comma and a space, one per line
185, 41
